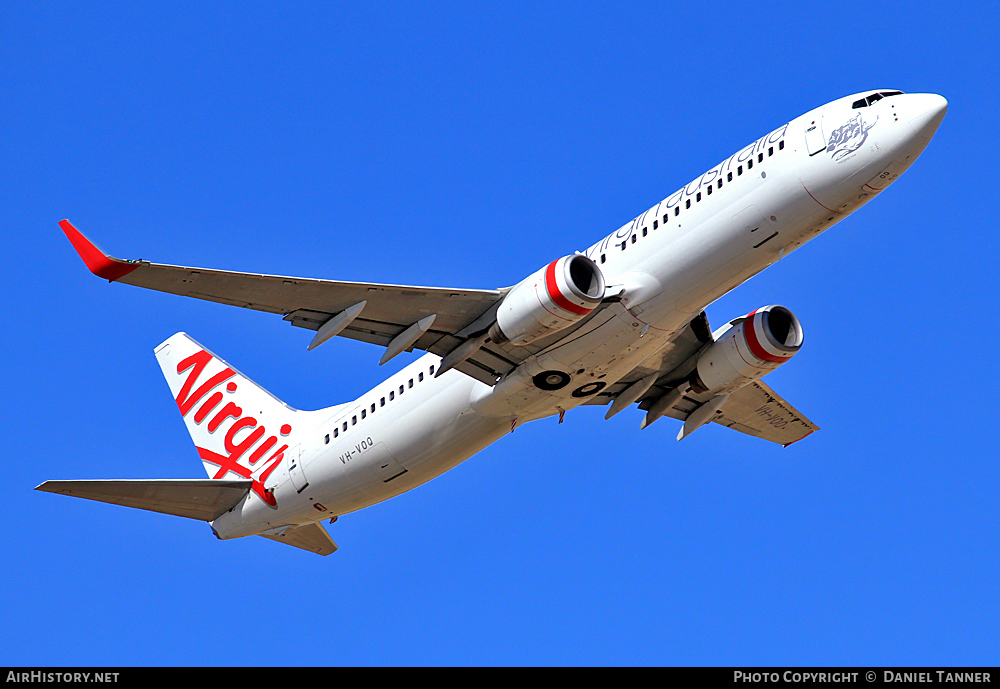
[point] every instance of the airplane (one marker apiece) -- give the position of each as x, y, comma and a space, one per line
620, 323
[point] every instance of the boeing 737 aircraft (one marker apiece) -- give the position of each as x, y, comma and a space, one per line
620, 323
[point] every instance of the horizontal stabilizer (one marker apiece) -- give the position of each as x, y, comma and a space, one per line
204, 499
312, 537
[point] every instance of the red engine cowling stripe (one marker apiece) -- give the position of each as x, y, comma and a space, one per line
755, 348
552, 287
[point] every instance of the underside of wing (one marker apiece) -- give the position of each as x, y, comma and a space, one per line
379, 313
754, 409
757, 410
397, 317
204, 499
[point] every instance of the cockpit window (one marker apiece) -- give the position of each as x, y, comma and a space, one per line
874, 98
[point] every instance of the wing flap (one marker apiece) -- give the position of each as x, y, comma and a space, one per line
204, 499
312, 537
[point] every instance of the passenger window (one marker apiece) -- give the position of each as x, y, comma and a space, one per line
720, 183
392, 396
677, 210
603, 258
400, 389
781, 145
364, 413
432, 370
750, 164
698, 197
644, 232
345, 425
709, 189
729, 177
354, 421
655, 225
381, 402
411, 383
665, 216
633, 238
373, 407
760, 157
624, 244
687, 204
770, 151
739, 171
327, 438
336, 432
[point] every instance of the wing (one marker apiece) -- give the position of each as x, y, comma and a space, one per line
754, 409
757, 410
397, 317
375, 313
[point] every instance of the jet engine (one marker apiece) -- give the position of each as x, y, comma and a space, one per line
754, 346
555, 297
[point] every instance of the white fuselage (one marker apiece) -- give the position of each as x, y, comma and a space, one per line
672, 261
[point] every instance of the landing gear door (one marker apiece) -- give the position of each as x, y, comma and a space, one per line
815, 141
295, 471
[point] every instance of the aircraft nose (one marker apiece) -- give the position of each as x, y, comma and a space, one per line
928, 110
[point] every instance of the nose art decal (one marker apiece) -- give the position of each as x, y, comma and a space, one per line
849, 138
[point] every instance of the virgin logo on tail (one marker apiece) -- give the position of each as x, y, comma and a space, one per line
235, 450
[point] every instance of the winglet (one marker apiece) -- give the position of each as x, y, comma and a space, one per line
99, 263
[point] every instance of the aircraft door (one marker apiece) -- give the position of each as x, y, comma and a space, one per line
815, 140
295, 471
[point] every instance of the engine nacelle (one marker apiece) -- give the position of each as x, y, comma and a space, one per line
762, 342
555, 297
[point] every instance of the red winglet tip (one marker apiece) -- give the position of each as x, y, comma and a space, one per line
99, 263
802, 438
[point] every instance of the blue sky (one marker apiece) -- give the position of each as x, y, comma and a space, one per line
467, 145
